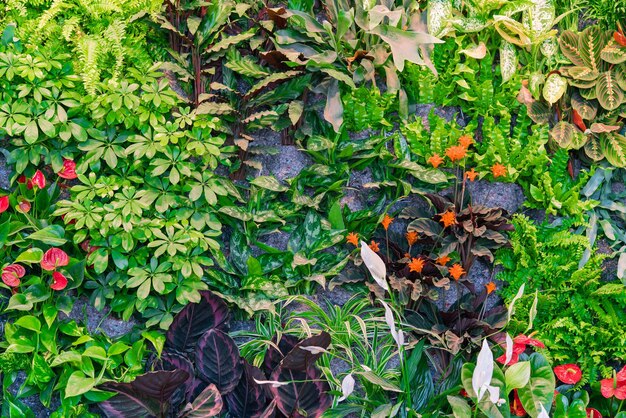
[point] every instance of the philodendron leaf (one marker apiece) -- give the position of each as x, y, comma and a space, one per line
207, 404
540, 388
517, 375
305, 394
218, 360
248, 399
301, 357
148, 395
195, 319
460, 407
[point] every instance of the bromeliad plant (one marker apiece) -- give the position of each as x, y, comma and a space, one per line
200, 373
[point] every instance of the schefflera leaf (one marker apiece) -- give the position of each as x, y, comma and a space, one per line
195, 319
148, 395
218, 360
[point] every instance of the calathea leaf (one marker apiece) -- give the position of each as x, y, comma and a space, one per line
173, 360
195, 319
218, 360
301, 359
248, 399
608, 92
274, 356
147, 395
613, 147
306, 394
207, 404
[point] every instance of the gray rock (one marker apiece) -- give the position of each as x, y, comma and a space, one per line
5, 173
609, 265
448, 113
479, 275
99, 322
507, 196
355, 196
282, 161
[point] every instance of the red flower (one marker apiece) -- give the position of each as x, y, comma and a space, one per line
12, 274
569, 374
21, 179
59, 281
39, 180
69, 170
613, 387
516, 406
24, 206
4, 203
593, 413
522, 339
519, 346
53, 258
619, 38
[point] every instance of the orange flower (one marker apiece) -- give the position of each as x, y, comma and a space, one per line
456, 271
386, 221
443, 260
471, 175
374, 246
465, 141
411, 237
498, 170
456, 153
353, 239
448, 218
416, 265
407, 255
491, 286
435, 160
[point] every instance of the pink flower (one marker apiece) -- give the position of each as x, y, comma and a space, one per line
12, 274
53, 258
39, 180
59, 281
4, 203
69, 170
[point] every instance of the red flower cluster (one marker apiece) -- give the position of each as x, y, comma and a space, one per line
614, 386
53, 258
4, 203
519, 346
68, 171
12, 274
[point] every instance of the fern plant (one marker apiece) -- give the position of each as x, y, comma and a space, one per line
579, 317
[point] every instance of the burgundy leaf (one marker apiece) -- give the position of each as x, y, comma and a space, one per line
300, 359
306, 395
248, 399
174, 360
149, 394
273, 356
207, 404
218, 360
195, 319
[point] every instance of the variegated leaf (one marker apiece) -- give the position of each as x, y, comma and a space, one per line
593, 149
613, 53
549, 47
608, 92
554, 88
620, 76
599, 128
508, 60
592, 40
295, 111
585, 108
475, 51
613, 146
582, 73
569, 43
512, 30
562, 134
539, 112
588, 93
439, 14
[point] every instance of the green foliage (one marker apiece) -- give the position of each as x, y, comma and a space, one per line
366, 108
607, 13
580, 318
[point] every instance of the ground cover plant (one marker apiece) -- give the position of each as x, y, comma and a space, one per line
312, 208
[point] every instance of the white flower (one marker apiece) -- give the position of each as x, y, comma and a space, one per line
375, 265
483, 373
347, 387
509, 349
397, 335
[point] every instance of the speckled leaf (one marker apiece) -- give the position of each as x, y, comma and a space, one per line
613, 146
439, 13
218, 360
554, 88
608, 92
508, 60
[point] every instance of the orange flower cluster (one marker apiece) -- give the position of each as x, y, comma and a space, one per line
448, 218
456, 153
456, 271
443, 260
374, 246
435, 160
353, 239
491, 287
411, 237
498, 170
471, 175
416, 265
386, 221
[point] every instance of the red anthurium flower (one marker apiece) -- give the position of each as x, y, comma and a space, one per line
39, 180
619, 38
516, 406
621, 375
24, 206
519, 346
59, 281
21, 179
522, 339
69, 170
610, 388
593, 413
569, 374
53, 258
12, 274
4, 203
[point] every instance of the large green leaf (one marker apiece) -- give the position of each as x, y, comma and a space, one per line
485, 405
540, 388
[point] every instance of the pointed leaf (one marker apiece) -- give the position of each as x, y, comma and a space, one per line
218, 360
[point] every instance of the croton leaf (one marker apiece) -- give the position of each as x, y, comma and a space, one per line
218, 360
208, 404
305, 395
147, 395
195, 319
306, 352
248, 399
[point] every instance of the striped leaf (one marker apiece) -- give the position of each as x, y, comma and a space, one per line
613, 146
608, 92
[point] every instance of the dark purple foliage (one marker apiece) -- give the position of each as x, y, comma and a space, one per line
306, 395
300, 359
248, 399
218, 360
273, 356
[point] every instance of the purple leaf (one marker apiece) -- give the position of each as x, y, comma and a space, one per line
174, 360
148, 395
273, 356
195, 319
306, 395
207, 404
299, 359
248, 399
218, 360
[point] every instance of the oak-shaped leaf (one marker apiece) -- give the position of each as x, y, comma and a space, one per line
218, 360
306, 395
195, 319
248, 398
148, 395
